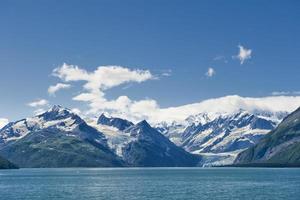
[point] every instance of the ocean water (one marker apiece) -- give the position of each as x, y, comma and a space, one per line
150, 183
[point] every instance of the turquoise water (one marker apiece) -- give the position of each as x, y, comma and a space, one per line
150, 183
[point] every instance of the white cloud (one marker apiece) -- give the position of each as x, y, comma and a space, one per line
244, 54
37, 103
100, 80
210, 72
279, 93
70, 73
104, 77
59, 86
3, 122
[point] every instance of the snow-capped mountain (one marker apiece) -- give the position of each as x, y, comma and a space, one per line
56, 138
115, 135
60, 138
109, 141
141, 145
151, 148
220, 136
56, 118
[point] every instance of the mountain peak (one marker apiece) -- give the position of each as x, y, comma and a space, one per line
143, 124
118, 123
57, 108
58, 112
102, 119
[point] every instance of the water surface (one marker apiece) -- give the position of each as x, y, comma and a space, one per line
150, 183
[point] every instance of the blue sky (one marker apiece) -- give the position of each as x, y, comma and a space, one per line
180, 38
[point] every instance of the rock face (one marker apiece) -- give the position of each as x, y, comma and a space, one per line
219, 137
279, 147
56, 138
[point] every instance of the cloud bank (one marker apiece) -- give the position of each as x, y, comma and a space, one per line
96, 83
229, 104
151, 111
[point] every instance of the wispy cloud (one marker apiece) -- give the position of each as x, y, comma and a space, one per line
244, 54
210, 72
59, 86
37, 103
220, 58
167, 72
279, 93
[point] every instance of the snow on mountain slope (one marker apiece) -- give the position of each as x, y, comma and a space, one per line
58, 118
56, 138
141, 145
151, 148
118, 123
116, 139
281, 147
220, 136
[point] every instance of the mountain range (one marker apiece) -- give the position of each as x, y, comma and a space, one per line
219, 137
143, 145
56, 138
61, 138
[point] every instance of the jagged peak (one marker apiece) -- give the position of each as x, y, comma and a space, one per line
242, 113
143, 124
119, 123
200, 118
102, 117
58, 112
58, 108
